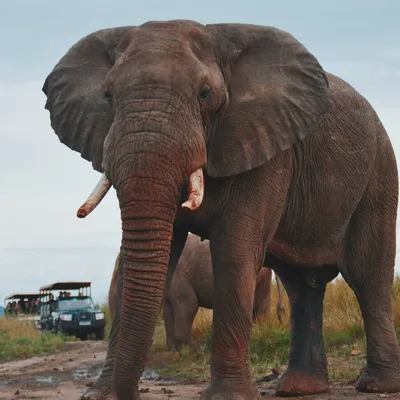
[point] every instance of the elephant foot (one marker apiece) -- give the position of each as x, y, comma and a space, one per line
301, 383
222, 390
101, 393
97, 393
373, 381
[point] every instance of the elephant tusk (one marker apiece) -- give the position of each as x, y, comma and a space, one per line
95, 197
195, 191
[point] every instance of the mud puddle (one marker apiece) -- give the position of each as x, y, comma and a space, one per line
53, 378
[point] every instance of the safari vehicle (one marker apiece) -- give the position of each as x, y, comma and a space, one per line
27, 307
71, 314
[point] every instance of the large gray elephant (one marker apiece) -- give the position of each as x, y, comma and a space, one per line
237, 134
192, 286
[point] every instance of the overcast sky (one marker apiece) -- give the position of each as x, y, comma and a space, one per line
43, 183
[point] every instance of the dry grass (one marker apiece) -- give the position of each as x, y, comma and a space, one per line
20, 339
343, 333
341, 310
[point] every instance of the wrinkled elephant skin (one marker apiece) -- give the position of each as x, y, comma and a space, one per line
237, 134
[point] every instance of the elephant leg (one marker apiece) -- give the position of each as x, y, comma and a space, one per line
179, 314
307, 373
102, 388
184, 313
169, 324
235, 283
262, 296
239, 238
369, 271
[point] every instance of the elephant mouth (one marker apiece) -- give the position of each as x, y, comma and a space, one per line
195, 194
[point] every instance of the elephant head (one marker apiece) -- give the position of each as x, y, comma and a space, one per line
153, 106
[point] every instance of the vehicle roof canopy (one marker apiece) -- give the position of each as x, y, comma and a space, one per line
66, 286
20, 295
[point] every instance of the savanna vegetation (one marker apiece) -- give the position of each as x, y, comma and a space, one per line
343, 334
20, 339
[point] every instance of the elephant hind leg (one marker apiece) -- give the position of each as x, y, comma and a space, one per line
185, 310
369, 269
307, 373
169, 324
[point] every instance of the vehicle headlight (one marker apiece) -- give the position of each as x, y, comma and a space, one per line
66, 317
99, 315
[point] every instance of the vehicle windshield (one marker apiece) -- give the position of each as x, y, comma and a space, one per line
74, 303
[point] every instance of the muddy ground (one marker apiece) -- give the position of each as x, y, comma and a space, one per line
67, 374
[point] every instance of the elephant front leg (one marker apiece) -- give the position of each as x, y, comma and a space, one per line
307, 373
235, 279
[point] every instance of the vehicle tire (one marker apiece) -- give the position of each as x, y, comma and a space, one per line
59, 330
83, 337
100, 334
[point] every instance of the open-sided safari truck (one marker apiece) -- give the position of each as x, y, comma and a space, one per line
24, 306
72, 314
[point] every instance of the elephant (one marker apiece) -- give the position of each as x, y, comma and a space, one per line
192, 287
113, 290
237, 134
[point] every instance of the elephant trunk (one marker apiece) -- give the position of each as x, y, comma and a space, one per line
149, 167
147, 211
150, 155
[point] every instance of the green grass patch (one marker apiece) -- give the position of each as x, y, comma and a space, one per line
19, 339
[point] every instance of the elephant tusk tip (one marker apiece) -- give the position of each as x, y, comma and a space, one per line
95, 197
191, 206
82, 213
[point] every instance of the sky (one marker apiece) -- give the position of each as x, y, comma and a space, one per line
43, 183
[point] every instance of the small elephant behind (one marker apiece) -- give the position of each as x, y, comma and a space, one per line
192, 286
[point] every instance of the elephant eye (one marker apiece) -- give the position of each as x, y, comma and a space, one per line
108, 97
204, 94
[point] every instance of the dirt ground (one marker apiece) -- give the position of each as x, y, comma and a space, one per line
67, 374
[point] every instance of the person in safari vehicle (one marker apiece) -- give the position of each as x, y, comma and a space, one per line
73, 314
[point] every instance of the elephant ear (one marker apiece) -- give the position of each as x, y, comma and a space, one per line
79, 112
278, 92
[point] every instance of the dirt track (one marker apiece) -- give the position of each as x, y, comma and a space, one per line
66, 375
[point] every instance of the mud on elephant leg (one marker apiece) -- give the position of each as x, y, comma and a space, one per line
307, 373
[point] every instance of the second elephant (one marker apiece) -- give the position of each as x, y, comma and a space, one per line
192, 286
